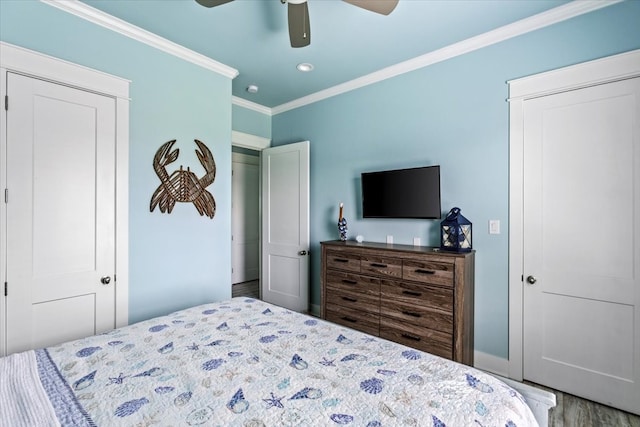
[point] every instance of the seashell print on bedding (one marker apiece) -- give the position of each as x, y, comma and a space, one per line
247, 363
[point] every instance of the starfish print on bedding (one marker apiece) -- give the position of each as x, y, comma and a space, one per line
117, 380
193, 346
327, 362
274, 402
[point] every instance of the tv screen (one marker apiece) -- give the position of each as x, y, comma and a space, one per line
402, 193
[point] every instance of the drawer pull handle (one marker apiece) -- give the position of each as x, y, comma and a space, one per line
376, 264
349, 282
349, 299
411, 337
340, 260
411, 313
413, 294
421, 271
349, 319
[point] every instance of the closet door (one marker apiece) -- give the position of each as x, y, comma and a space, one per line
60, 213
582, 242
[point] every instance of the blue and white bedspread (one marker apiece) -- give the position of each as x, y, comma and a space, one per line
244, 362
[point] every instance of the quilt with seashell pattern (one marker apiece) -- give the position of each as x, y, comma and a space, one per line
244, 362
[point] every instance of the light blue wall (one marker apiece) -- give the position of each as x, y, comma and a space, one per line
454, 114
180, 259
251, 122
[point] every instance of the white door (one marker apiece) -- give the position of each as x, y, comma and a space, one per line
245, 218
60, 213
285, 226
582, 242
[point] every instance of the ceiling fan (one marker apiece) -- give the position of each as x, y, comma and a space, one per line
298, 11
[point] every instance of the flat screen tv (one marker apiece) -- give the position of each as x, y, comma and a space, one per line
402, 193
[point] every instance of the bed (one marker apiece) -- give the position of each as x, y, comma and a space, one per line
244, 362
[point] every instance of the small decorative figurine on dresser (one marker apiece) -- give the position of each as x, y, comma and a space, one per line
342, 224
455, 232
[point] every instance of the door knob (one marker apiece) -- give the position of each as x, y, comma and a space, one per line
105, 280
302, 253
531, 280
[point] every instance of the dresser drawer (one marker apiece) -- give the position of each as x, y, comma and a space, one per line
339, 281
435, 273
356, 319
343, 261
425, 339
417, 295
417, 315
353, 300
381, 266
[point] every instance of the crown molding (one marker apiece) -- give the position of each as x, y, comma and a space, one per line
110, 22
518, 28
541, 20
240, 102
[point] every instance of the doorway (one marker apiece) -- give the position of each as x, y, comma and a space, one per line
283, 215
245, 220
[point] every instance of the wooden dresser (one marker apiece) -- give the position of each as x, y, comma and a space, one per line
414, 295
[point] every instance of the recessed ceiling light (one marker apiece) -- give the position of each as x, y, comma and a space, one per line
252, 89
305, 67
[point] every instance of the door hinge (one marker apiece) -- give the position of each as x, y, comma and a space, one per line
5, 289
6, 102
522, 278
6, 195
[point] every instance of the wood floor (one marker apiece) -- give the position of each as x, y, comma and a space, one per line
570, 411
246, 289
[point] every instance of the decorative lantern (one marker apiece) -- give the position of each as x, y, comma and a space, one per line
455, 232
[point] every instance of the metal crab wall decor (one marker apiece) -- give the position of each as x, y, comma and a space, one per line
183, 185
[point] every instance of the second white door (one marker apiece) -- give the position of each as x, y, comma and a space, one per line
285, 226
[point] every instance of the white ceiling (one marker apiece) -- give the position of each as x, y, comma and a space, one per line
347, 42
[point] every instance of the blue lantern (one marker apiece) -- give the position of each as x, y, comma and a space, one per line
455, 232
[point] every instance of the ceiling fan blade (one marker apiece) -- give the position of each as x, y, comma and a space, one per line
383, 7
299, 29
212, 3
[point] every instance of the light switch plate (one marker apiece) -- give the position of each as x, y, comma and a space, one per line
390, 239
494, 226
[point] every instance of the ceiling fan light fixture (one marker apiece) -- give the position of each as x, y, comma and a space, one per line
305, 67
252, 89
